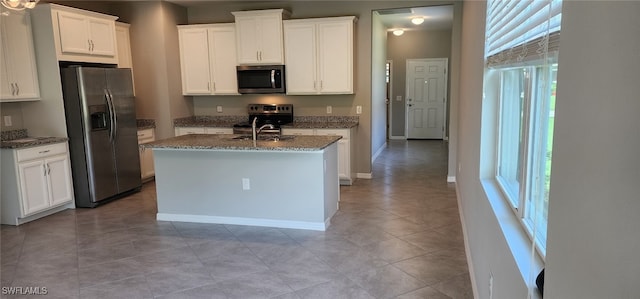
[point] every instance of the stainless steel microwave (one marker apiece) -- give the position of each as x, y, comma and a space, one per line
261, 79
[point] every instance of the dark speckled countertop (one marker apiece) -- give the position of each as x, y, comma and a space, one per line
299, 122
16, 139
145, 124
226, 142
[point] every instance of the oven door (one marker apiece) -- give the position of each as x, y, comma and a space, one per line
260, 79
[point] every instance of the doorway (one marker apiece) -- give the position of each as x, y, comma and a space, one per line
426, 90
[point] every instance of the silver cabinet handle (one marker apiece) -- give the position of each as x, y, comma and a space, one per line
92, 46
43, 152
89, 43
44, 169
48, 169
258, 55
17, 89
13, 90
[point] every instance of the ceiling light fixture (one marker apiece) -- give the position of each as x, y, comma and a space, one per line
19, 4
417, 20
398, 32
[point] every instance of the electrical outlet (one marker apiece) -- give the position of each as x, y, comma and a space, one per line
399, 98
329, 109
490, 285
7, 121
358, 109
219, 109
246, 184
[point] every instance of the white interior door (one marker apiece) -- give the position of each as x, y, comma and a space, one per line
426, 98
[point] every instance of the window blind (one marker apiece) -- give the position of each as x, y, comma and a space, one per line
517, 30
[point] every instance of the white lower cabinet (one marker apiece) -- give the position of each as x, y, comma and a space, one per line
346, 169
34, 180
202, 130
147, 170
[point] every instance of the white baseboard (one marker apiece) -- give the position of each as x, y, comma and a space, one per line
451, 179
397, 137
363, 175
321, 226
373, 158
467, 250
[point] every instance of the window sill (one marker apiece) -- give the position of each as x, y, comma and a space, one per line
514, 233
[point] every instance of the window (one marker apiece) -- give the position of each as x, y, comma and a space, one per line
525, 139
522, 46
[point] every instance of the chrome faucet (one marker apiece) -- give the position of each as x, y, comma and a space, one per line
255, 131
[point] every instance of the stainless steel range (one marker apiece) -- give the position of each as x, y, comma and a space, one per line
274, 114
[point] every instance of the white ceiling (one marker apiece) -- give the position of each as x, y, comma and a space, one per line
436, 18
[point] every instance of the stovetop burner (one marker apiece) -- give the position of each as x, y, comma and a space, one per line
275, 114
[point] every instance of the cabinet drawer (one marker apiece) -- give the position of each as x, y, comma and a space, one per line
184, 131
298, 132
219, 131
41, 151
338, 132
145, 134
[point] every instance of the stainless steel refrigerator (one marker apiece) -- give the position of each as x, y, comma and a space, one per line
101, 124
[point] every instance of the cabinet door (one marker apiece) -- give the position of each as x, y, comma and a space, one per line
222, 51
102, 34
33, 186
146, 159
6, 86
74, 36
335, 57
194, 61
247, 40
343, 159
270, 40
300, 55
59, 178
124, 46
19, 75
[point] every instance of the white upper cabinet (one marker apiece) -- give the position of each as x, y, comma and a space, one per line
84, 36
124, 45
208, 59
259, 36
18, 74
319, 55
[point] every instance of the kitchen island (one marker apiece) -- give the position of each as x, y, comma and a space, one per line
290, 183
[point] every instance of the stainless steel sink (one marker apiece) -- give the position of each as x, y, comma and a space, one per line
266, 137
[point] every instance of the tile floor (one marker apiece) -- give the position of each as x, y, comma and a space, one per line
397, 235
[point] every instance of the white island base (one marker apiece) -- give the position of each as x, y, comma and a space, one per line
286, 189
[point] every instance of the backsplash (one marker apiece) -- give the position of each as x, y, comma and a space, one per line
13, 134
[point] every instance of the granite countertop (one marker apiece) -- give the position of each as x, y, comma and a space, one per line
299, 122
209, 121
31, 141
321, 125
145, 124
225, 142
15, 139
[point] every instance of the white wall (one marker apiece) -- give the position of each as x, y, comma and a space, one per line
594, 203
378, 84
593, 237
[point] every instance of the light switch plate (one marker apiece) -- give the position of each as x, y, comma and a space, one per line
219, 109
7, 121
246, 184
329, 109
358, 109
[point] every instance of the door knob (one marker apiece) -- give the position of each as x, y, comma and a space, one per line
409, 105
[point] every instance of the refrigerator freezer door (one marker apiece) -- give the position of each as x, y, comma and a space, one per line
127, 158
91, 150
